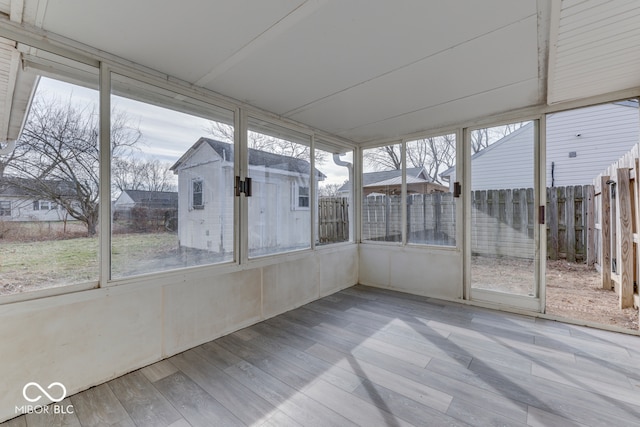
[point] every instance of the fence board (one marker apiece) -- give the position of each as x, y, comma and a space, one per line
591, 226
626, 234
605, 238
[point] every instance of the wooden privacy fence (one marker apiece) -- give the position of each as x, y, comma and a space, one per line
502, 221
333, 219
617, 221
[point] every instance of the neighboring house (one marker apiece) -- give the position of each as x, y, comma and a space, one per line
160, 200
17, 202
390, 182
279, 209
580, 145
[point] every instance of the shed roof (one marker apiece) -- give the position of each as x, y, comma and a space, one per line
256, 158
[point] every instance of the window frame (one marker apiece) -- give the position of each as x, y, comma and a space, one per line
297, 197
194, 182
4, 209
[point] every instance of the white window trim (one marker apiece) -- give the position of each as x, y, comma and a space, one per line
192, 194
295, 197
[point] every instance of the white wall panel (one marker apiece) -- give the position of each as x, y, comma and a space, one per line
338, 269
421, 271
78, 339
194, 312
86, 338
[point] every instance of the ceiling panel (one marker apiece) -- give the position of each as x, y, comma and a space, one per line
454, 74
345, 67
185, 39
596, 49
449, 113
346, 43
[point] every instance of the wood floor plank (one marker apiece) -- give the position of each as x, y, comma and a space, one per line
197, 406
421, 393
238, 399
478, 416
559, 399
318, 367
539, 418
512, 409
298, 406
98, 406
280, 419
158, 370
352, 407
404, 407
51, 419
142, 401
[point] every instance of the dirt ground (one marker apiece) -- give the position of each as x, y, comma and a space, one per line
573, 290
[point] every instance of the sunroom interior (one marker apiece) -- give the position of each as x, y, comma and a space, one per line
278, 143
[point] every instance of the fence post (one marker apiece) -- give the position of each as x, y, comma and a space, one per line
626, 238
591, 225
552, 200
605, 225
570, 221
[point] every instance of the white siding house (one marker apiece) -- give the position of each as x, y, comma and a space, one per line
16, 204
279, 209
580, 144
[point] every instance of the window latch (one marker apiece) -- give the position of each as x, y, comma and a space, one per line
457, 189
243, 186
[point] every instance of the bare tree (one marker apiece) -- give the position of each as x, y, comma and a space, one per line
59, 155
131, 173
433, 154
384, 158
262, 142
482, 138
329, 190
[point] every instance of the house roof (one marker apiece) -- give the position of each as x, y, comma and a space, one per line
141, 196
256, 158
149, 199
26, 187
390, 177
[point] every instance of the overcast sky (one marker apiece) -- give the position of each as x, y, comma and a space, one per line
166, 134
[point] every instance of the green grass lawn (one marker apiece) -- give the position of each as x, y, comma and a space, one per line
44, 264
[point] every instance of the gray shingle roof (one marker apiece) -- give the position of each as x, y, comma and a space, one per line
155, 198
371, 178
256, 158
26, 187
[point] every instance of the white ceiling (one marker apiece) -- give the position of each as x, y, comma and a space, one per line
361, 69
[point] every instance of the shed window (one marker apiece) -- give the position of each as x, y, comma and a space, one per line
303, 197
299, 197
196, 194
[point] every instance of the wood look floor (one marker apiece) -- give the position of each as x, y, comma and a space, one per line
373, 357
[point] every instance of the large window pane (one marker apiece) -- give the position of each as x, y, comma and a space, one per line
431, 209
49, 180
381, 194
172, 181
279, 210
503, 208
334, 195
